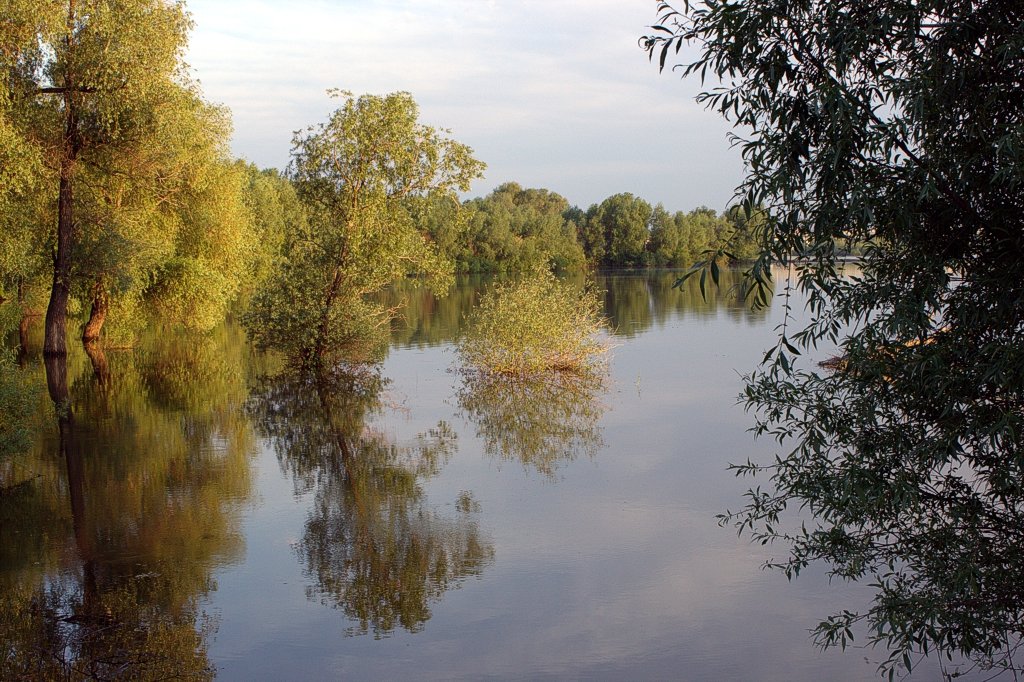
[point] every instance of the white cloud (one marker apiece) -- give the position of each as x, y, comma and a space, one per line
549, 93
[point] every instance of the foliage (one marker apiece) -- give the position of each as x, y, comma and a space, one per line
214, 250
897, 128
363, 178
516, 230
17, 404
275, 213
534, 325
130, 180
83, 81
620, 227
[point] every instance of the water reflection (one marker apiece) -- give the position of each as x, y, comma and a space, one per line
634, 303
538, 421
371, 545
107, 549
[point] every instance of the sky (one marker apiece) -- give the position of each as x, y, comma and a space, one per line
554, 94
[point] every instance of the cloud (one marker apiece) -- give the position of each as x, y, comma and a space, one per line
556, 94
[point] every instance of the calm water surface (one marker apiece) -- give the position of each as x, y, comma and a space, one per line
198, 511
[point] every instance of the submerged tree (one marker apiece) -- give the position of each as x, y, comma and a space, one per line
899, 127
363, 177
534, 326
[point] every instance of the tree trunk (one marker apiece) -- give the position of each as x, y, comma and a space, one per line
100, 306
55, 340
23, 327
323, 328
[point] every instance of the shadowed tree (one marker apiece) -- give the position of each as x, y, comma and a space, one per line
896, 127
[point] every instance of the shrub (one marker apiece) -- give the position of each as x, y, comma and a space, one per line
534, 325
17, 406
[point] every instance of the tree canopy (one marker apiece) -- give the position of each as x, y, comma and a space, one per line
123, 198
363, 176
899, 128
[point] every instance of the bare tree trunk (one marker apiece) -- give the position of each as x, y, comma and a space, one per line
100, 306
55, 341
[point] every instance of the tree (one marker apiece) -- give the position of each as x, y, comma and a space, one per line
617, 230
16, 404
517, 229
160, 221
898, 127
81, 77
536, 325
362, 176
275, 212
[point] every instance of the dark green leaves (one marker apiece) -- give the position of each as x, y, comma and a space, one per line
888, 134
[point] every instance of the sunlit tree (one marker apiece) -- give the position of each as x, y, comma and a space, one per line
82, 79
362, 176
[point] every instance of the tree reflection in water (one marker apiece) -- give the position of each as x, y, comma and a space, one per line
540, 421
372, 546
635, 301
107, 552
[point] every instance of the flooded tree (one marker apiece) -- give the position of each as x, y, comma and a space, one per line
363, 176
535, 325
79, 91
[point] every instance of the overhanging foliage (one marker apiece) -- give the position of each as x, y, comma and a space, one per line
899, 127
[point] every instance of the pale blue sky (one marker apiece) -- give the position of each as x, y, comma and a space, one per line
549, 93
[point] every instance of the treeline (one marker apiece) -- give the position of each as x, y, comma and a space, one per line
226, 226
514, 229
